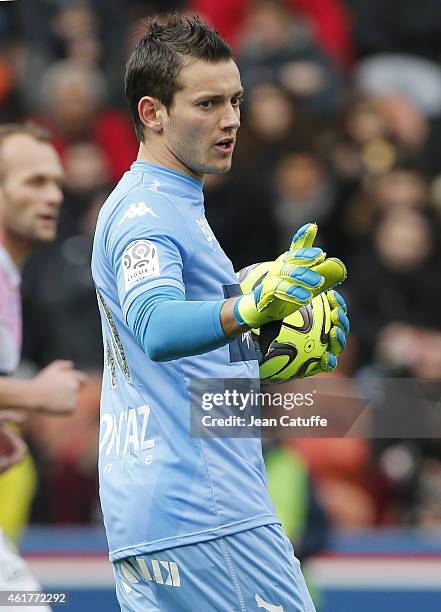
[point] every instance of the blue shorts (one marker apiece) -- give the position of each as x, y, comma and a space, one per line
251, 570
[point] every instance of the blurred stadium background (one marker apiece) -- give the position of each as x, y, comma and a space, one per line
341, 125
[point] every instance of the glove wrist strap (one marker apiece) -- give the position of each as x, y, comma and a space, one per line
245, 312
236, 313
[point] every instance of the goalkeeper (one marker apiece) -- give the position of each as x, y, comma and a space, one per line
189, 521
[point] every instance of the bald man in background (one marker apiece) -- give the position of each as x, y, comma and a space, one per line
31, 178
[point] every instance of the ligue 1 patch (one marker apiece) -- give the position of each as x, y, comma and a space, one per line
140, 261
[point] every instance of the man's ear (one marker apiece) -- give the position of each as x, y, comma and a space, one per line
149, 110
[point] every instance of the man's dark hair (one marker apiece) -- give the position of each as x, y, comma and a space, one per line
153, 68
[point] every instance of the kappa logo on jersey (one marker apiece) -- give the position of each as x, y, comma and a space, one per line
261, 603
126, 432
161, 572
140, 261
139, 210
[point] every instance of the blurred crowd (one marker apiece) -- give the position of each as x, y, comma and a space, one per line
341, 125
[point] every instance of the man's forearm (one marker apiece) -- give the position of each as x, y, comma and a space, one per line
169, 328
16, 394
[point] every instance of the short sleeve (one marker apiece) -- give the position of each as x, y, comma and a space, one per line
147, 245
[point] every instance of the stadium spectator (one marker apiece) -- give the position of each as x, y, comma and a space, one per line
74, 108
278, 48
416, 80
304, 191
329, 22
331, 25
378, 27
272, 125
403, 264
400, 188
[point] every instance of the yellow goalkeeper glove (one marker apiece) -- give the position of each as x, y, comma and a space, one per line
292, 281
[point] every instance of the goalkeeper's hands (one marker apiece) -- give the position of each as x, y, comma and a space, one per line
292, 281
338, 335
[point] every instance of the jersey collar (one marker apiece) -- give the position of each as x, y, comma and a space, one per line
178, 179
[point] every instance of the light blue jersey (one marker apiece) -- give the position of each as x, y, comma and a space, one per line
161, 488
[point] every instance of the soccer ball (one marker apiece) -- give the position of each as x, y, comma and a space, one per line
291, 348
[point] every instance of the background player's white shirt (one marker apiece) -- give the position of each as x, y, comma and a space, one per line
159, 486
15, 575
14, 572
10, 314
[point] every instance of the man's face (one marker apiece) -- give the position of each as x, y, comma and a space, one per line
30, 189
200, 128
